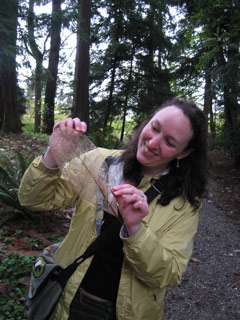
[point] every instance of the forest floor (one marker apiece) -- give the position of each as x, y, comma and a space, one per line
210, 288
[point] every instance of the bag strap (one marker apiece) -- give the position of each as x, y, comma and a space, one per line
157, 187
99, 243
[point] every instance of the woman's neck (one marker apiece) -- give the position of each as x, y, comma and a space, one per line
147, 172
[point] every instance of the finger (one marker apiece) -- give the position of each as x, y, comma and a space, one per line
143, 197
122, 186
123, 189
58, 125
141, 205
127, 200
136, 200
79, 125
69, 123
129, 191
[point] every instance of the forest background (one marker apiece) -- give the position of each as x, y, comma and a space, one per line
128, 56
109, 63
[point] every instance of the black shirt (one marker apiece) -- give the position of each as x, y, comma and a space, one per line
103, 275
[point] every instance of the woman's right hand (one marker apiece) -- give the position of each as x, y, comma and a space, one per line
77, 125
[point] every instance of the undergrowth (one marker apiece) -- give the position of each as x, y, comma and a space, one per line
11, 173
13, 271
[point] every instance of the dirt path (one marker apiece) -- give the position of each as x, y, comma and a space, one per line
210, 288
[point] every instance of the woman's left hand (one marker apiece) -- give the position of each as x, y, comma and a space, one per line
132, 205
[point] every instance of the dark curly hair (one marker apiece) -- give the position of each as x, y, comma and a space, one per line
190, 178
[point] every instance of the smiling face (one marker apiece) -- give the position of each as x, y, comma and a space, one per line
163, 139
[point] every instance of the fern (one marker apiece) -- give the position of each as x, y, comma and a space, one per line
6, 162
23, 164
9, 199
11, 173
6, 176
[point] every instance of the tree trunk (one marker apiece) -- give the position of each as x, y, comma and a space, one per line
115, 59
38, 95
230, 80
208, 100
150, 56
111, 89
51, 86
212, 124
81, 82
233, 95
38, 56
126, 97
9, 117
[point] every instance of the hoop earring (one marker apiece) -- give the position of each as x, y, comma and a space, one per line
178, 164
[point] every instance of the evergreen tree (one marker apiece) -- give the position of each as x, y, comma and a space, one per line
133, 66
219, 41
51, 84
38, 56
9, 113
81, 79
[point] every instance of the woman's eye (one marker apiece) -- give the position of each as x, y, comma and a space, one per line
154, 128
169, 144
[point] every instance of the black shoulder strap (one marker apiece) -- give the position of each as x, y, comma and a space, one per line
99, 243
157, 187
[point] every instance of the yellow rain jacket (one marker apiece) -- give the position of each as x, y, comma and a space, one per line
154, 258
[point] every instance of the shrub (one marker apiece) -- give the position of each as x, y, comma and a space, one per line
104, 138
11, 173
13, 270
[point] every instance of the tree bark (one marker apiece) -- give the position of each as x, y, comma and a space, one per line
9, 117
51, 85
111, 89
114, 64
81, 82
38, 56
38, 96
208, 103
127, 95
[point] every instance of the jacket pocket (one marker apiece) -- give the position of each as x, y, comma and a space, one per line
148, 305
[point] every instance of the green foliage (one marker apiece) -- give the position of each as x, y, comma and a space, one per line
35, 242
143, 52
56, 238
15, 267
110, 136
105, 138
29, 112
21, 101
11, 173
133, 66
28, 128
13, 270
5, 239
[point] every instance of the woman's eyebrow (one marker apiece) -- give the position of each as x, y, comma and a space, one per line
175, 140
155, 122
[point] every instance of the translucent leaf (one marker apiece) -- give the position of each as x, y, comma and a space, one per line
87, 174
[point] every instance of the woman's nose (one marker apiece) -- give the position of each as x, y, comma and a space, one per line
155, 141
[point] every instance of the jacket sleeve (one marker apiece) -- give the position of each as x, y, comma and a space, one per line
43, 188
159, 258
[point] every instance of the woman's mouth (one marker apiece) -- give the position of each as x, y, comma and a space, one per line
149, 153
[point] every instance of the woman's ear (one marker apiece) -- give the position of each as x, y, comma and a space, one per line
184, 154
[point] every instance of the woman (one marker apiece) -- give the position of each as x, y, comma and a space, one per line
127, 279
